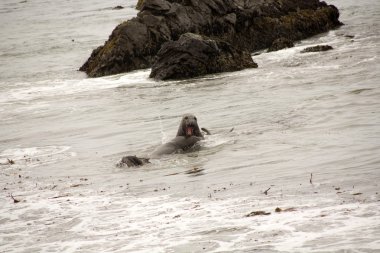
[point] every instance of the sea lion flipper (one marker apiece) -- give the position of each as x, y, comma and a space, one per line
206, 131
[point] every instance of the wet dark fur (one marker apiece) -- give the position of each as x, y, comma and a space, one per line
189, 120
182, 141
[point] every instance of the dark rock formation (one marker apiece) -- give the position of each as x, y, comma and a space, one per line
139, 4
132, 161
194, 55
247, 25
119, 7
280, 43
318, 48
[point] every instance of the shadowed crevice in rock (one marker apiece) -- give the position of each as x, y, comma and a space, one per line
246, 25
280, 43
194, 55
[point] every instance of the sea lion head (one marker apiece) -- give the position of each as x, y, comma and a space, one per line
189, 126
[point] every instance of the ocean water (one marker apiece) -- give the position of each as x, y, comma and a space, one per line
300, 133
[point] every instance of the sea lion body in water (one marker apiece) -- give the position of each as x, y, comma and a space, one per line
188, 134
177, 144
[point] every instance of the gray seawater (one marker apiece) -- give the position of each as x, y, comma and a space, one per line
295, 116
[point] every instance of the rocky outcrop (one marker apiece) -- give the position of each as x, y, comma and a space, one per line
132, 161
194, 55
318, 48
247, 25
139, 4
280, 43
118, 7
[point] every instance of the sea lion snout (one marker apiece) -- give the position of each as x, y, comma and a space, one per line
189, 130
189, 126
190, 123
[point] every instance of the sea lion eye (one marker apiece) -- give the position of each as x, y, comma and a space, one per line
195, 118
186, 118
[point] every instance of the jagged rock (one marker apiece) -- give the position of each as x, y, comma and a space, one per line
132, 161
247, 25
280, 43
194, 55
118, 7
139, 4
318, 48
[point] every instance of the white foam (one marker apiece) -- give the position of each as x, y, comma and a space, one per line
51, 88
34, 156
216, 140
165, 223
164, 136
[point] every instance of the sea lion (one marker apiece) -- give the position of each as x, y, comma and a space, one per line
188, 134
